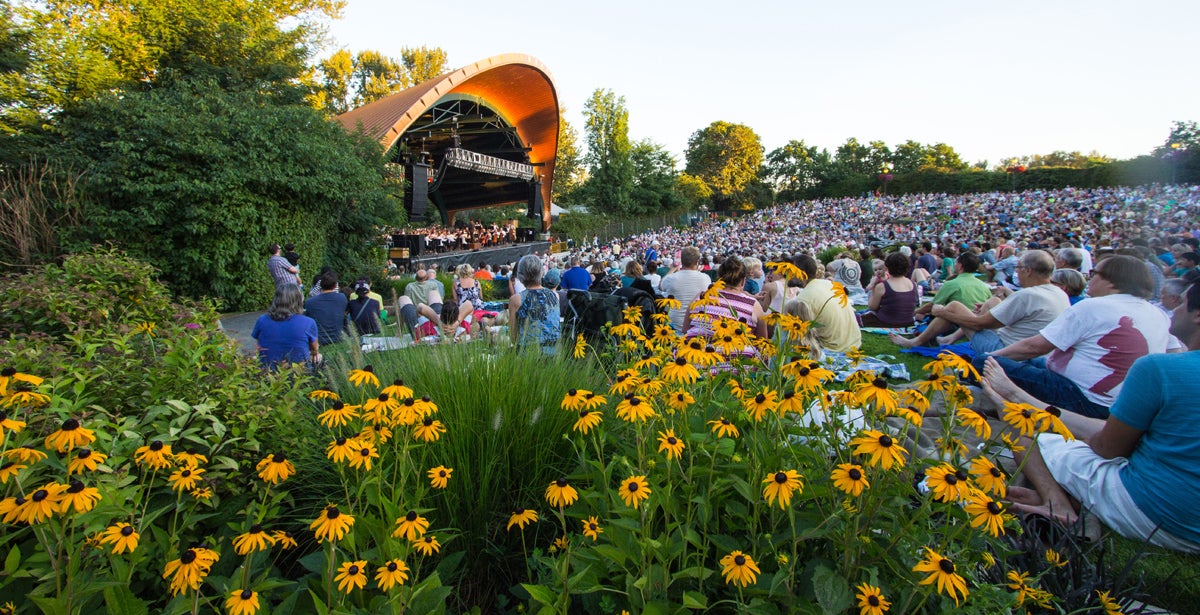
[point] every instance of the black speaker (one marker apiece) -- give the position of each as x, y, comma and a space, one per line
416, 244
420, 192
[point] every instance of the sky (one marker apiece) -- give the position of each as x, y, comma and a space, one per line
993, 80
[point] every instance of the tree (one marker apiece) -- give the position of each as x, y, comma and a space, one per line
376, 76
908, 157
337, 74
197, 180
853, 158
726, 157
347, 81
569, 173
610, 167
422, 64
942, 157
654, 179
796, 170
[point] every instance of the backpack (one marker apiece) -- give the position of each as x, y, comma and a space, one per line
590, 312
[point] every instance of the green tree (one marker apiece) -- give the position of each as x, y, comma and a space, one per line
942, 157
908, 157
336, 82
197, 180
422, 64
694, 192
655, 179
726, 157
609, 186
569, 173
853, 158
796, 170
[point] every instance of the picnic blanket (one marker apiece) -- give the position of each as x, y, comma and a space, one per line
962, 350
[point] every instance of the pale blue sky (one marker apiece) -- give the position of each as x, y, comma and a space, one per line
991, 79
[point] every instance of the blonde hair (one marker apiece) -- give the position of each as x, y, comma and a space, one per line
800, 309
464, 271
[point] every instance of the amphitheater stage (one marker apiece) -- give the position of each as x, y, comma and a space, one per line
497, 256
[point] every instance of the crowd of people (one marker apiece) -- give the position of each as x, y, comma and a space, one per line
1062, 296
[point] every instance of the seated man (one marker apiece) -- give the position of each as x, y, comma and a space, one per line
329, 310
422, 297
576, 277
964, 288
1004, 271
1092, 344
1138, 471
835, 324
997, 323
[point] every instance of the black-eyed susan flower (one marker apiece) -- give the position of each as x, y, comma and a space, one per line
860, 377
668, 303
587, 420
202, 493
780, 486
275, 468
1013, 443
974, 420
739, 568
1052, 423
581, 346
43, 503
12, 509
79, 496
648, 361
790, 402
877, 395
634, 490
242, 602
411, 526
627, 330
560, 544
253, 539
25, 454
959, 365
574, 399
761, 403
669, 443
429, 430
850, 478
426, 406
988, 476
521, 517
366, 375
364, 456
377, 433
1110, 606
883, 450
871, 600
156, 455
1019, 582
724, 428
427, 545
351, 575
122, 536
337, 415
663, 334
378, 409
947, 483
913, 399
986, 514
626, 381
439, 477
693, 350
69, 436
592, 401
190, 459
284, 540
635, 409
935, 381
187, 572
560, 493
25, 397
9, 424
1022, 417
185, 479
322, 393
1056, 559
942, 572
807, 377
408, 412
910, 414
630, 345
146, 328
680, 371
649, 388
592, 529
397, 390
391, 574
787, 270
332, 524
342, 449
9, 470
10, 376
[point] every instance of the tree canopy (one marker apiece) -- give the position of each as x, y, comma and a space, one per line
726, 157
609, 155
347, 81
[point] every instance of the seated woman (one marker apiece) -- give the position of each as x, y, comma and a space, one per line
466, 287
534, 319
894, 297
732, 302
284, 333
800, 310
364, 311
1071, 282
633, 271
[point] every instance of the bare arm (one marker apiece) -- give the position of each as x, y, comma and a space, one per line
1115, 439
514, 303
958, 314
876, 295
1027, 348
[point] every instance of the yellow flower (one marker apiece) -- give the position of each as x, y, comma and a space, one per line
69, 436
10, 469
9, 424
877, 395
322, 393
1023, 417
1111, 607
521, 517
1054, 558
574, 399
839, 291
363, 455
285, 540
397, 390
935, 382
376, 433
959, 365
738, 567
242, 602
351, 575
581, 347
275, 468
762, 403
809, 374
635, 409
884, 451
560, 493
669, 443
411, 526
359, 377
23, 397
391, 574
625, 382
626, 329
9, 376
156, 455
122, 536
592, 529
337, 415
648, 361
189, 570
694, 351
185, 479
871, 600
724, 428
190, 459
79, 496
1051, 422
13, 509
787, 270
342, 449
439, 477
255, 539
1012, 443
1019, 582
986, 513
988, 476
332, 524
634, 490
25, 454
790, 402
781, 485
942, 571
976, 421
680, 371
668, 303
145, 327
913, 399
429, 430
849, 478
860, 377
587, 420
427, 545
592, 401
378, 409
560, 544
650, 388
203, 493
680, 400
947, 483
663, 334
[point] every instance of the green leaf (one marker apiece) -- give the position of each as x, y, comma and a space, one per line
832, 591
120, 601
695, 600
541, 594
611, 554
12, 561
51, 606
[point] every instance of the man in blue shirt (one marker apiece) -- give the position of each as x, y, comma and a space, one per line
576, 278
328, 309
1138, 471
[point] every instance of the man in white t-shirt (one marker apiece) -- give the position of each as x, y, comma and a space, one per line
1092, 344
685, 285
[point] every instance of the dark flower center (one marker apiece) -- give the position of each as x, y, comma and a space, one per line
410, 402
332, 512
341, 441
127, 530
76, 487
680, 397
725, 421
398, 382
572, 392
7, 465
961, 474
854, 474
352, 571
392, 566
633, 486
338, 405
425, 398
804, 371
562, 482
727, 339
256, 529
246, 594
635, 401
592, 526
709, 349
781, 477
428, 422
995, 472
760, 398
428, 539
885, 441
951, 480
188, 557
681, 361
671, 440
383, 397
185, 473
740, 560
789, 395
411, 516
8, 372
366, 452
629, 395
621, 378
946, 565
442, 473
3, 416
279, 458
156, 445
880, 383
993, 508
932, 377
584, 413
40, 495
70, 425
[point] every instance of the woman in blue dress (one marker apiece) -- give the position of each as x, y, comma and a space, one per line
534, 317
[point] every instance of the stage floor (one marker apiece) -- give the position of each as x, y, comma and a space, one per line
502, 255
